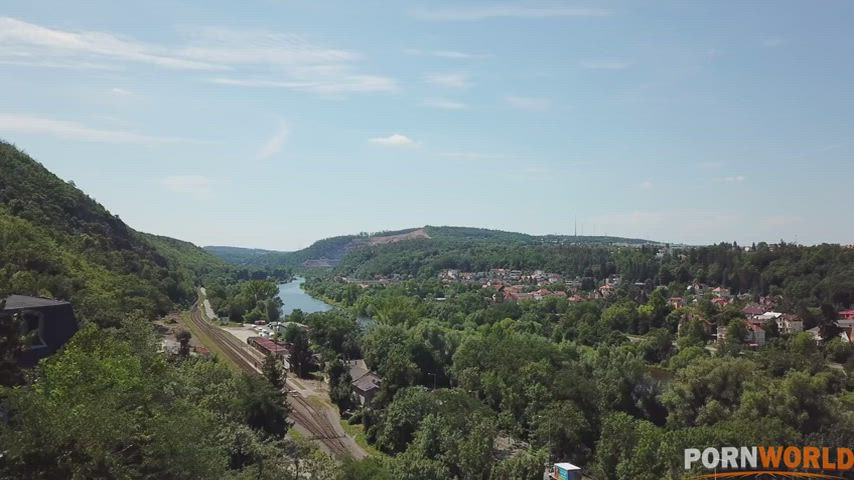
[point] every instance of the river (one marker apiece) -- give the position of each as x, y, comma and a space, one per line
294, 297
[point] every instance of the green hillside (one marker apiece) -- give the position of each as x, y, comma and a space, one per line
330, 248
56, 241
238, 255
425, 250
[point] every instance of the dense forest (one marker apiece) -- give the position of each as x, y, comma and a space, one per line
478, 389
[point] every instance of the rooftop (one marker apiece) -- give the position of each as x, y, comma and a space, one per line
21, 302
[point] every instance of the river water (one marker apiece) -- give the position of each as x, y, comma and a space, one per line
294, 297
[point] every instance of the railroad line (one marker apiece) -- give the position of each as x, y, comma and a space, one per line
249, 361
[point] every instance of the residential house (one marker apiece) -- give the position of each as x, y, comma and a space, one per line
845, 323
721, 292
847, 314
51, 323
720, 302
753, 310
366, 384
789, 324
606, 290
755, 335
676, 302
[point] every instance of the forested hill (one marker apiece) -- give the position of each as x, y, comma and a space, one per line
238, 255
58, 242
349, 250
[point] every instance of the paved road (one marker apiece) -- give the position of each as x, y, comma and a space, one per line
208, 310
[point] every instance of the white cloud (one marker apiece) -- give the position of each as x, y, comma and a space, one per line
647, 184
450, 80
330, 85
275, 143
394, 140
732, 179
444, 104
120, 92
195, 185
449, 54
506, 10
30, 39
605, 64
253, 58
528, 103
29, 124
223, 46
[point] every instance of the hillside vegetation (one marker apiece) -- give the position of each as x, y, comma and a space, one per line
426, 250
56, 241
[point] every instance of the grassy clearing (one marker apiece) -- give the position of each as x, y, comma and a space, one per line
205, 340
358, 434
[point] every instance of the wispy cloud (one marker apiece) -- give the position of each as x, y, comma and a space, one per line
252, 58
647, 184
195, 185
120, 92
275, 143
450, 80
394, 140
444, 104
732, 179
449, 54
323, 85
41, 42
474, 12
605, 64
30, 124
528, 103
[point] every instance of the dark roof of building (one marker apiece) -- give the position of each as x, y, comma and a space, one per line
367, 382
21, 302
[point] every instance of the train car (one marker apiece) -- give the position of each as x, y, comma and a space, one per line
268, 347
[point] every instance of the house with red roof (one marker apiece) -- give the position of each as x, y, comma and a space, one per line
676, 302
720, 302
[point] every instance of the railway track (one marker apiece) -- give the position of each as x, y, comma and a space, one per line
249, 361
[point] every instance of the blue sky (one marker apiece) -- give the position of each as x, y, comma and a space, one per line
275, 123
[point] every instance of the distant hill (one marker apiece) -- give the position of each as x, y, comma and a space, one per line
384, 252
56, 241
238, 255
